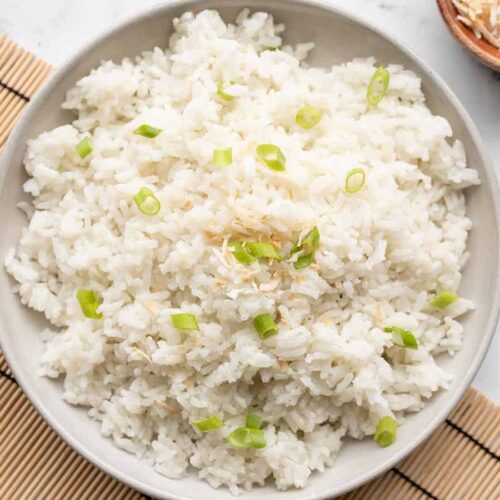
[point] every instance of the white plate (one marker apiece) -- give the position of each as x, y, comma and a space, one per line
338, 37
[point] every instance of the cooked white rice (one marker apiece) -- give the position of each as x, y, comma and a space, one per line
331, 371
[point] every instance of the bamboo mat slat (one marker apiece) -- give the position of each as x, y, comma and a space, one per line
460, 461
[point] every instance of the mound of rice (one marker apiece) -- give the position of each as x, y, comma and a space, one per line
331, 371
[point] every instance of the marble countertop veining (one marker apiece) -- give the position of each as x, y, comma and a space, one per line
55, 29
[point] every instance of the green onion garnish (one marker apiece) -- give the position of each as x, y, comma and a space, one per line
147, 202
246, 437
308, 116
378, 86
209, 424
89, 302
402, 338
355, 180
249, 251
240, 253
265, 325
221, 91
84, 148
272, 156
263, 250
444, 299
307, 246
253, 421
184, 321
303, 261
147, 131
385, 433
223, 157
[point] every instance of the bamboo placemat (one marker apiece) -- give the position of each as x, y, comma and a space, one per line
460, 461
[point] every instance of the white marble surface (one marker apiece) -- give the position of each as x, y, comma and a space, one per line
55, 29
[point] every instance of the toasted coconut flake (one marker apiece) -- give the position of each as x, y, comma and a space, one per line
148, 169
170, 407
156, 287
152, 306
187, 205
214, 238
248, 220
465, 20
278, 316
247, 278
270, 286
277, 240
283, 364
238, 227
379, 315
220, 281
143, 354
280, 272
222, 257
482, 16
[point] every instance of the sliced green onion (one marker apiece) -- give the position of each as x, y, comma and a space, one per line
307, 246
263, 250
147, 202
378, 86
209, 424
272, 156
385, 433
253, 421
89, 302
265, 325
84, 148
309, 243
303, 261
147, 131
402, 338
355, 180
246, 437
308, 116
184, 321
444, 299
223, 157
249, 251
221, 91
240, 253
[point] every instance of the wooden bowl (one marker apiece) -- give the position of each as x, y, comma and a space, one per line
478, 47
